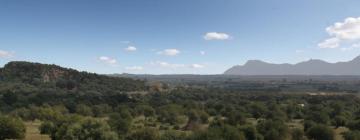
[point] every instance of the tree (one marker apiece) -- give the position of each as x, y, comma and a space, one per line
250, 132
172, 135
225, 132
319, 117
144, 134
258, 110
197, 116
85, 129
276, 113
48, 128
235, 118
23, 113
84, 110
273, 130
145, 110
354, 125
338, 108
171, 114
10, 98
320, 132
66, 84
297, 134
120, 122
294, 110
101, 110
308, 124
352, 135
11, 128
340, 121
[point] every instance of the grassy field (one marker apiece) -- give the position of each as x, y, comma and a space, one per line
33, 133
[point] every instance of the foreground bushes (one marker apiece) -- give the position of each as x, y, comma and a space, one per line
11, 128
80, 128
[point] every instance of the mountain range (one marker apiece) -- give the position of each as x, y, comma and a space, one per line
310, 67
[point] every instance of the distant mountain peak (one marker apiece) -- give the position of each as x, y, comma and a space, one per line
313, 61
252, 62
310, 67
357, 59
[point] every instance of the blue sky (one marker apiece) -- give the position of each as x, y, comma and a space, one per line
176, 36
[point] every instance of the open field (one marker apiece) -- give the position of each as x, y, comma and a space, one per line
33, 133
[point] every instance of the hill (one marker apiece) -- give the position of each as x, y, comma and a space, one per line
37, 74
310, 67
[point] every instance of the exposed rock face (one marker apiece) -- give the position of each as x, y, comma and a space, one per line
26, 71
311, 67
53, 75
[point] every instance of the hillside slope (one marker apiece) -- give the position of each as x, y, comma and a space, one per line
37, 74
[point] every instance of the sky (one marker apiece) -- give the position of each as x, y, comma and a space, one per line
176, 36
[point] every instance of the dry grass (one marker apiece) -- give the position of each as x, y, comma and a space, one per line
33, 133
338, 132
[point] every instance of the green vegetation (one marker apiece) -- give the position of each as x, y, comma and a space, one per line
11, 128
80, 106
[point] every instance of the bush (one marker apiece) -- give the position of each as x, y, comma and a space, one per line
84, 110
172, 135
11, 128
297, 134
85, 129
250, 132
340, 121
225, 132
144, 134
320, 132
120, 122
352, 135
47, 128
273, 130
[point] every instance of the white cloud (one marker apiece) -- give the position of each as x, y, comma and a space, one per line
197, 66
167, 65
329, 43
169, 52
202, 52
346, 31
131, 48
137, 68
6, 54
216, 36
108, 60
